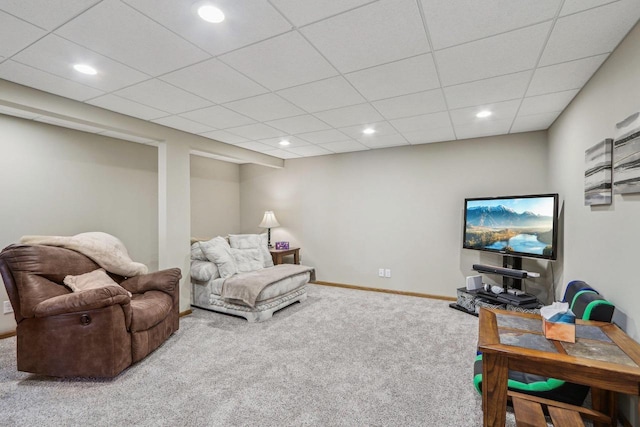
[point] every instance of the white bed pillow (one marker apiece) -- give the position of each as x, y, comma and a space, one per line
218, 251
204, 270
247, 259
264, 247
251, 241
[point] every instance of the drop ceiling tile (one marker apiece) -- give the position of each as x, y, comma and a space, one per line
430, 136
158, 94
298, 124
327, 94
505, 53
565, 76
381, 141
281, 62
496, 89
573, 6
183, 124
533, 122
353, 115
552, 102
224, 136
265, 107
217, 117
306, 12
46, 14
125, 106
500, 111
414, 104
257, 131
397, 78
214, 81
16, 34
283, 154
69, 124
344, 146
119, 32
255, 146
57, 56
480, 129
293, 142
454, 22
309, 151
590, 33
374, 34
324, 136
28, 76
246, 22
381, 128
422, 122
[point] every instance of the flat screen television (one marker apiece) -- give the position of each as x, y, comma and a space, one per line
525, 226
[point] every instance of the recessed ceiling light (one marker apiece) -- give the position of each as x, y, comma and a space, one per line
369, 131
284, 142
484, 113
210, 13
85, 69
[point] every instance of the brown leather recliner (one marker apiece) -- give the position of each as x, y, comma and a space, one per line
92, 333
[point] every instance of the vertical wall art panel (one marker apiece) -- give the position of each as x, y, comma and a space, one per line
597, 174
626, 156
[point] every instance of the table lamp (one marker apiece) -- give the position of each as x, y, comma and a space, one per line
269, 221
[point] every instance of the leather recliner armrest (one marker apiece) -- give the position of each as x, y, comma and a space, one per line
166, 281
85, 300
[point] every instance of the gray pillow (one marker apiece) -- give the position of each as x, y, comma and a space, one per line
204, 270
247, 259
218, 251
250, 241
196, 252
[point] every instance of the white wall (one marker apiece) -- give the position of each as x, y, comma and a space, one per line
601, 242
215, 197
397, 208
56, 181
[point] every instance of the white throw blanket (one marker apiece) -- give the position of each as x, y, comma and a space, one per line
106, 250
245, 287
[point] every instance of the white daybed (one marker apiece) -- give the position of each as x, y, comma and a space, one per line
237, 276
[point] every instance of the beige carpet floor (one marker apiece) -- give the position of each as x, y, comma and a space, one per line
341, 358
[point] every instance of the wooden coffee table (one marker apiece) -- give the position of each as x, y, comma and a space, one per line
603, 357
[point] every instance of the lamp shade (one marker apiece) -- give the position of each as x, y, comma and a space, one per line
269, 220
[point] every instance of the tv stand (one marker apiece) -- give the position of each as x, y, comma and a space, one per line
512, 277
511, 271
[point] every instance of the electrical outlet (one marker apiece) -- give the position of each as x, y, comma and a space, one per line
6, 307
381, 272
387, 272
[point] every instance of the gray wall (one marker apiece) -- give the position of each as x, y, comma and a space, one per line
601, 242
62, 182
397, 208
215, 197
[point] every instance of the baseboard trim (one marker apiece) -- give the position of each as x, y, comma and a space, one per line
7, 335
185, 313
386, 291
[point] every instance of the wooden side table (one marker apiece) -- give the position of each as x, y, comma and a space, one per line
278, 254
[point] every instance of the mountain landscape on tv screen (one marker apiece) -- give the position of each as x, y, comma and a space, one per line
500, 228
502, 217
